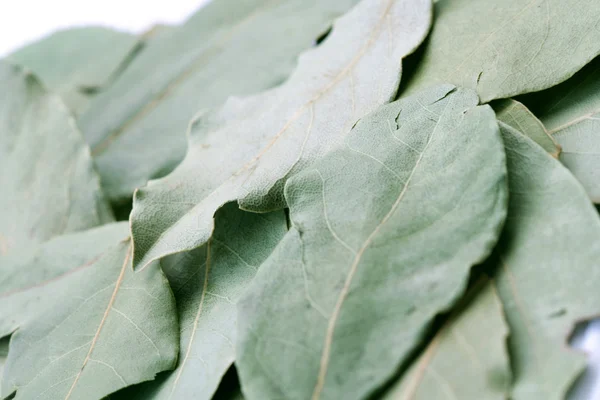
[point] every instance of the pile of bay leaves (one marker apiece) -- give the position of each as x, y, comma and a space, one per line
342, 199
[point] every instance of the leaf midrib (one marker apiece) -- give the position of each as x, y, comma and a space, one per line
325, 355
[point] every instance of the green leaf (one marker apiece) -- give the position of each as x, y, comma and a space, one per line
466, 359
571, 113
85, 329
137, 127
516, 115
207, 283
547, 271
247, 148
385, 230
509, 47
48, 183
77, 61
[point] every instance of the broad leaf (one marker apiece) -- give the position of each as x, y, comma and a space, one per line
467, 358
85, 329
508, 47
385, 229
547, 269
571, 112
137, 127
48, 183
207, 283
246, 149
515, 114
77, 62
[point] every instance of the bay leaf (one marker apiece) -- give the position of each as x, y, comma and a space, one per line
137, 127
85, 329
547, 271
466, 359
78, 61
505, 48
571, 113
515, 114
268, 137
385, 229
49, 186
207, 283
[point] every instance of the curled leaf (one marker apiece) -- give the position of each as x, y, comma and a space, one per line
137, 127
271, 136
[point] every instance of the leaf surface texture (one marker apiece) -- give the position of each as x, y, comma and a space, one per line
90, 329
137, 127
269, 137
385, 229
49, 186
467, 359
510, 47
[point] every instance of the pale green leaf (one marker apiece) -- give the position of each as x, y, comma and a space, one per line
87, 324
77, 61
571, 113
385, 229
515, 114
247, 148
503, 48
547, 267
467, 358
207, 283
48, 183
137, 127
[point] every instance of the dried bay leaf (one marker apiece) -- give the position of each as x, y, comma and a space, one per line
77, 61
547, 271
268, 137
137, 127
505, 48
49, 186
85, 330
385, 229
207, 283
515, 114
466, 359
571, 113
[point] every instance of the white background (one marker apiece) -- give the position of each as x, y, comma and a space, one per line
24, 21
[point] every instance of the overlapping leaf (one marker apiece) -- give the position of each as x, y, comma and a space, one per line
207, 283
137, 127
48, 183
87, 325
571, 112
516, 115
547, 271
509, 47
245, 150
467, 358
385, 229
78, 61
